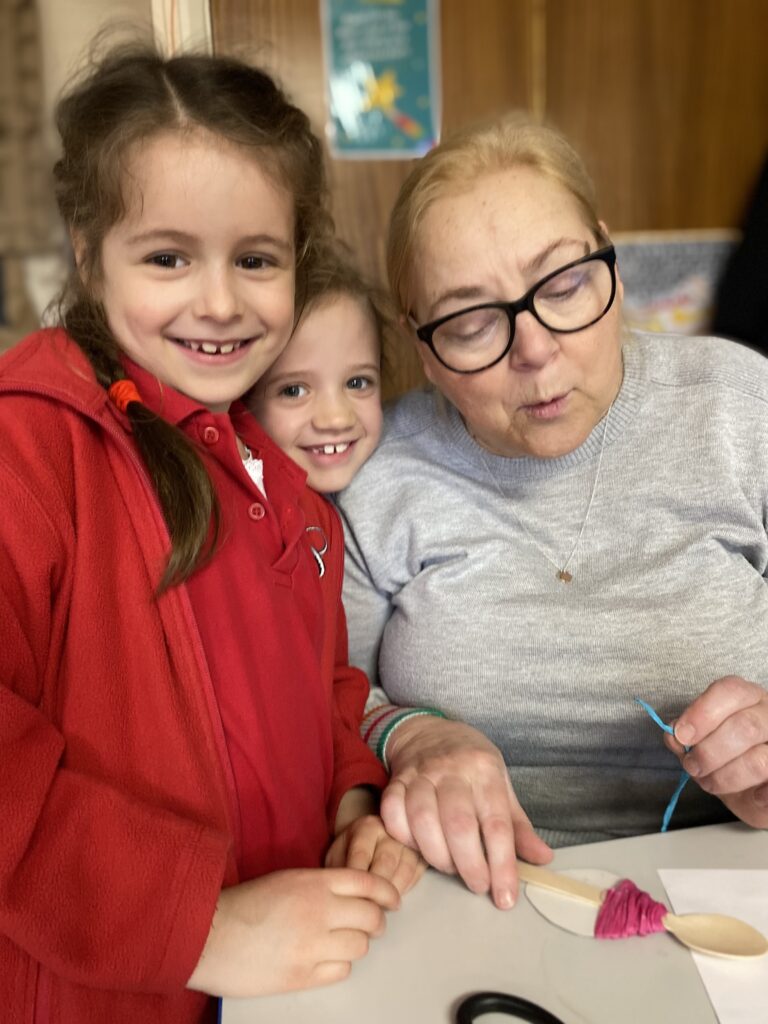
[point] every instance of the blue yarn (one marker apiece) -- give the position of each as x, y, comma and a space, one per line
684, 775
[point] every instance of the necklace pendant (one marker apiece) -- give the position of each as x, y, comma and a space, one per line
565, 576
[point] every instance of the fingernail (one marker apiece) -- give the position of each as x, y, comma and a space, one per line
504, 900
684, 734
692, 766
761, 797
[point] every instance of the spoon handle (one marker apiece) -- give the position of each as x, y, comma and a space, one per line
546, 879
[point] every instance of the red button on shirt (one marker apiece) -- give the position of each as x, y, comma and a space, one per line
256, 510
210, 435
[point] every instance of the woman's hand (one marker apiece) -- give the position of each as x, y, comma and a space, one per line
365, 844
291, 930
450, 797
727, 727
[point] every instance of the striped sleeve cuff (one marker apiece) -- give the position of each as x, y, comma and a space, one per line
381, 721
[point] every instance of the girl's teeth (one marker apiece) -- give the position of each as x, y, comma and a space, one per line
333, 449
212, 349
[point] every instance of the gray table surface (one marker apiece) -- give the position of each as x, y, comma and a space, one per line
445, 943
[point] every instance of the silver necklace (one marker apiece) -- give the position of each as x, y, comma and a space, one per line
562, 570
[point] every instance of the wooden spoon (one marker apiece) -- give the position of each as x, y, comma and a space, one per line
715, 934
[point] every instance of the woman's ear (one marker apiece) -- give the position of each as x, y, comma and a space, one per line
407, 327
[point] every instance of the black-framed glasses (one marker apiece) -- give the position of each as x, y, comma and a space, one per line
569, 299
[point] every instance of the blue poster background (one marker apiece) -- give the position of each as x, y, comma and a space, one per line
383, 81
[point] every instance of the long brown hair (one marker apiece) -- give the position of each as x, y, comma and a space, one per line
126, 97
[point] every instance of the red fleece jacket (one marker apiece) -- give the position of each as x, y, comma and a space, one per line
115, 798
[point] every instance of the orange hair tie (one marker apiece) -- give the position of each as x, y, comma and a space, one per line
123, 392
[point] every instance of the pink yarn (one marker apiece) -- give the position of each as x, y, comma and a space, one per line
627, 910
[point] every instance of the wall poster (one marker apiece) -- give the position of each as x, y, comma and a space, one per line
382, 77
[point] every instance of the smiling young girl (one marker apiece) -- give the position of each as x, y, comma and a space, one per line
321, 399
170, 740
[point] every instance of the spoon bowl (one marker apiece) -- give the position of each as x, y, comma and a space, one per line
717, 934
714, 934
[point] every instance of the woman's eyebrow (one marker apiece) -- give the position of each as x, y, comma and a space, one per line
467, 292
470, 292
537, 261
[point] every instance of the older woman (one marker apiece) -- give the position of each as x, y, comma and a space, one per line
571, 518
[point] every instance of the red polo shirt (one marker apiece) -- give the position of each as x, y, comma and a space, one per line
260, 612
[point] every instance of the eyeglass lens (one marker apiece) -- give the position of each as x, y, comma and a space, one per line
569, 301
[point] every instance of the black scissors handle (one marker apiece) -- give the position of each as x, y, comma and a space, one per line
501, 1002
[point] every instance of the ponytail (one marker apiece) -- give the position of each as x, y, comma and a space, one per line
177, 473
130, 95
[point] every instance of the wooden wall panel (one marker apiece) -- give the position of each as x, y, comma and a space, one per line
479, 77
487, 57
668, 102
666, 99
484, 71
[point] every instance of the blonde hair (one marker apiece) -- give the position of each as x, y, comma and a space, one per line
513, 140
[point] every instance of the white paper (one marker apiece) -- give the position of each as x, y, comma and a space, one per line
737, 989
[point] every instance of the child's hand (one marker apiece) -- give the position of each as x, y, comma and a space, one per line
365, 844
291, 930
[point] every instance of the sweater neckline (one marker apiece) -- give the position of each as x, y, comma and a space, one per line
624, 411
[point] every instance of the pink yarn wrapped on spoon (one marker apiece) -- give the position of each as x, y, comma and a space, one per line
626, 911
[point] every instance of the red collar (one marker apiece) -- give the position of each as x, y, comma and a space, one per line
181, 410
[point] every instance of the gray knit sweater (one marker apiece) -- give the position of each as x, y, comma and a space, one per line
458, 607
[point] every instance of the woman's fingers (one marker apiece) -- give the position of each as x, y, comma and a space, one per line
746, 771
394, 814
475, 831
505, 846
727, 731
420, 805
460, 820
721, 700
451, 797
751, 806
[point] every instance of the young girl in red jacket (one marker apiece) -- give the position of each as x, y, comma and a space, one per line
178, 746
